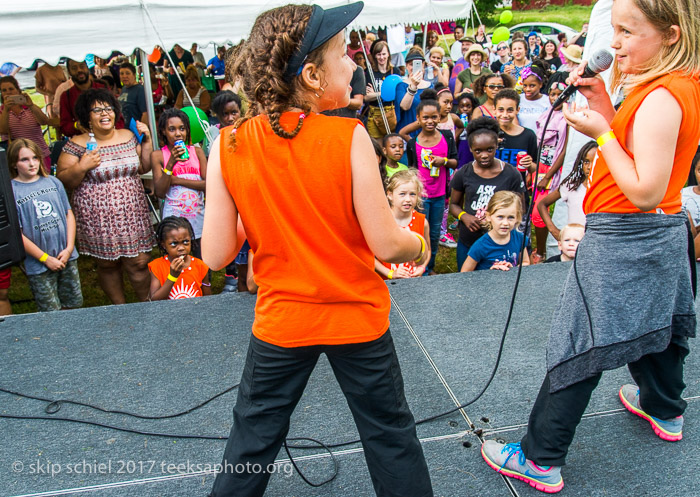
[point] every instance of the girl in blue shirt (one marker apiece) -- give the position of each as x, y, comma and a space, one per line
500, 247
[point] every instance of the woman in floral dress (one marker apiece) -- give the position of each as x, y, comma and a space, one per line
109, 202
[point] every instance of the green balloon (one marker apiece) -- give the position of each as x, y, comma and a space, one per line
500, 34
196, 131
506, 17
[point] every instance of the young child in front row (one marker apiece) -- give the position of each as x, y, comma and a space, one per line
48, 229
177, 275
572, 191
405, 194
569, 238
500, 247
393, 148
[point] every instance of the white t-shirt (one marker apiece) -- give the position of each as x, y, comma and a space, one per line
574, 202
691, 203
531, 110
456, 51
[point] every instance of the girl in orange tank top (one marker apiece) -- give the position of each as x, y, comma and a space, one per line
405, 193
629, 296
307, 189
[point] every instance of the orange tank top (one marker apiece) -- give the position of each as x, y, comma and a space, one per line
417, 225
314, 269
603, 194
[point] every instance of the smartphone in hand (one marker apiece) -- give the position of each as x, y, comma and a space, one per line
16, 100
417, 66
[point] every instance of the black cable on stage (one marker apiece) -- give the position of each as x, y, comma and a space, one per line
110, 427
321, 444
55, 405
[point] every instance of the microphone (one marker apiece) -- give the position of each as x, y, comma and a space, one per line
600, 61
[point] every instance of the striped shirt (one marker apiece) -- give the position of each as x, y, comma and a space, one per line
25, 125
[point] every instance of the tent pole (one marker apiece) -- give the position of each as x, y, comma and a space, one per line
150, 108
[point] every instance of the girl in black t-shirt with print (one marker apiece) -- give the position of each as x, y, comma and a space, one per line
474, 184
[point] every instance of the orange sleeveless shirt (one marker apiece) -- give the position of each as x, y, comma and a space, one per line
315, 271
603, 194
417, 225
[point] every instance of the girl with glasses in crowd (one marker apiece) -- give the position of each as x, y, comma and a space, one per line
109, 202
503, 53
488, 86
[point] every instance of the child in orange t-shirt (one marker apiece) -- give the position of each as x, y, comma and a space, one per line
177, 275
405, 193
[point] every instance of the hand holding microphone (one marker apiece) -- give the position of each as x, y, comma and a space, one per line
583, 78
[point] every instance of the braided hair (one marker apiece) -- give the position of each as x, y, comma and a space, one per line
262, 61
171, 223
576, 177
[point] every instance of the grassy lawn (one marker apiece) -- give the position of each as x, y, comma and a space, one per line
569, 15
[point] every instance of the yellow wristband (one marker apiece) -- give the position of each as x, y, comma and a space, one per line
168, 172
390, 275
459, 216
44, 257
422, 247
606, 137
172, 278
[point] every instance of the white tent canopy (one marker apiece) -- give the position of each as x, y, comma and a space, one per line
51, 29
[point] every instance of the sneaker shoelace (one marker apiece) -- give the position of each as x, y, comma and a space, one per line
512, 449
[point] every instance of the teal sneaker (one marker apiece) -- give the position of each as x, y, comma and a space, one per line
670, 430
500, 457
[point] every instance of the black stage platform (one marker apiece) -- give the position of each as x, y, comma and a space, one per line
162, 358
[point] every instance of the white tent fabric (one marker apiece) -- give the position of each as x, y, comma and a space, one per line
50, 29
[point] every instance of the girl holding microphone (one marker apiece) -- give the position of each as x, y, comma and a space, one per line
628, 298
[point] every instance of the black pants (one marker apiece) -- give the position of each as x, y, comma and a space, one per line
555, 416
369, 375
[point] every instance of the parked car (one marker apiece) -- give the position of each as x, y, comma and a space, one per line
547, 30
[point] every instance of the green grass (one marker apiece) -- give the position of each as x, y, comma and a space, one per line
23, 301
568, 15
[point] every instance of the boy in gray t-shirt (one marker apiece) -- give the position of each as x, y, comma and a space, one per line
47, 223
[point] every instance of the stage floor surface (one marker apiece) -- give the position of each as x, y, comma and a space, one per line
162, 358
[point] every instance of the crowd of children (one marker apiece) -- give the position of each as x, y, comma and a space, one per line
474, 158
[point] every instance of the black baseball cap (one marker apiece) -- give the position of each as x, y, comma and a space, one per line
323, 25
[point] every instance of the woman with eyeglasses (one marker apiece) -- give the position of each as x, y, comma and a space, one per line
488, 86
109, 202
503, 52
